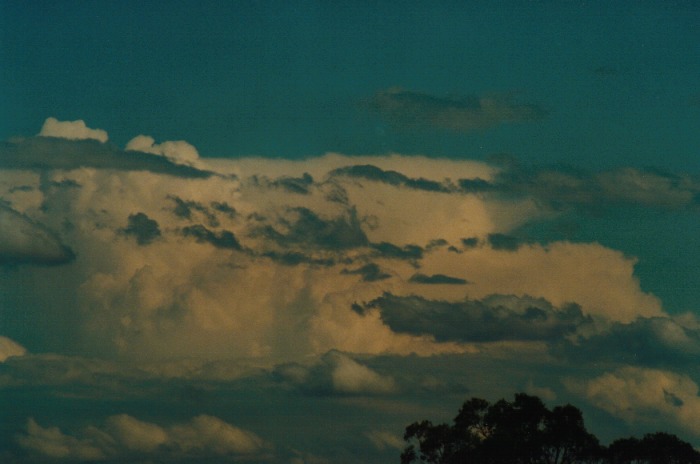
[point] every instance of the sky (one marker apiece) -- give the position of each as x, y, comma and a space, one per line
280, 232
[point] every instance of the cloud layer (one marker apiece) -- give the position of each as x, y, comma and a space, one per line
375, 289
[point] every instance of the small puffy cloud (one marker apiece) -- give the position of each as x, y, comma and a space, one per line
73, 130
383, 439
404, 108
9, 347
210, 435
645, 396
134, 434
125, 437
25, 241
50, 442
143, 228
336, 373
178, 151
495, 318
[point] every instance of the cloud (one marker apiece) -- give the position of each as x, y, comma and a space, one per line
302, 226
373, 173
655, 398
143, 228
336, 373
25, 241
565, 188
179, 151
222, 239
404, 108
436, 279
492, 319
72, 130
656, 342
42, 153
9, 348
125, 437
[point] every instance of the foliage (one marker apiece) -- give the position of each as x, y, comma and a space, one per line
525, 431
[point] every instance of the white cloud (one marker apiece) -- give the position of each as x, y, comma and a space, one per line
177, 151
9, 347
647, 396
74, 130
125, 436
52, 443
349, 376
383, 439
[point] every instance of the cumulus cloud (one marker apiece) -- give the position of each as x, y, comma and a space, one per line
25, 241
125, 437
405, 108
178, 151
9, 347
336, 373
647, 396
73, 130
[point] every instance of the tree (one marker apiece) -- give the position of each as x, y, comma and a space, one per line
525, 431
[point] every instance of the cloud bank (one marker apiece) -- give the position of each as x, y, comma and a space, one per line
198, 293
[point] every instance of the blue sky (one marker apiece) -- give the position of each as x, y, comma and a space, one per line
280, 79
282, 231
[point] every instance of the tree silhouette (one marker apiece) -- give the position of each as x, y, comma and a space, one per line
525, 431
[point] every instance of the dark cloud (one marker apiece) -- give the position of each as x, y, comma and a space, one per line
46, 153
404, 108
294, 258
389, 250
185, 209
436, 279
650, 342
370, 172
25, 241
563, 187
492, 319
470, 242
301, 226
222, 239
503, 242
143, 228
370, 272
295, 184
225, 208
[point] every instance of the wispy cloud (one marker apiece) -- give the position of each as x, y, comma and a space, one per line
409, 109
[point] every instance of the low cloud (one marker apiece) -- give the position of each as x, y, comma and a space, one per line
336, 373
72, 130
649, 342
125, 437
495, 318
407, 109
652, 397
9, 348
